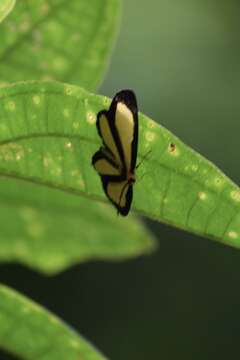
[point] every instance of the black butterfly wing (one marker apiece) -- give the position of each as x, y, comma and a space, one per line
118, 128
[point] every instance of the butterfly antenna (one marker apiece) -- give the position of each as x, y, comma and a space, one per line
144, 158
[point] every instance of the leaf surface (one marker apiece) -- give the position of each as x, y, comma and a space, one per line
48, 136
6, 7
31, 332
58, 40
50, 230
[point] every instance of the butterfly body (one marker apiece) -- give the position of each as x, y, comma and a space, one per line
115, 161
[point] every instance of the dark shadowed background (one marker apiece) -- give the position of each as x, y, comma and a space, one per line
182, 58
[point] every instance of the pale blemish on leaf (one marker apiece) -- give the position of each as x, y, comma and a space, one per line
66, 112
3, 129
37, 36
74, 344
60, 64
28, 213
68, 145
24, 26
75, 37
91, 118
165, 200
194, 168
53, 26
76, 125
44, 8
79, 179
150, 136
235, 195
106, 101
11, 26
10, 105
47, 77
35, 229
202, 195
25, 310
53, 319
68, 90
233, 234
36, 100
19, 156
152, 125
56, 171
218, 182
81, 184
46, 161
10, 152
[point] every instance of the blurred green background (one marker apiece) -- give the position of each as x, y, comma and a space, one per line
182, 59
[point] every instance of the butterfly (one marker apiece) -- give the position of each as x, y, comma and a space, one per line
115, 161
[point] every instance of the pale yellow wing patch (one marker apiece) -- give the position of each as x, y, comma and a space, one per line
125, 126
104, 167
117, 191
108, 138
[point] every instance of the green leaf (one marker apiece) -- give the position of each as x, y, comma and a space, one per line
6, 7
61, 40
31, 332
50, 230
48, 136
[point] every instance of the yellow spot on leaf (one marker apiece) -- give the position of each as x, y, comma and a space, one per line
68, 90
202, 195
68, 145
194, 168
18, 156
91, 118
44, 9
105, 101
235, 195
151, 124
66, 112
46, 161
74, 344
79, 179
233, 234
36, 99
150, 136
76, 125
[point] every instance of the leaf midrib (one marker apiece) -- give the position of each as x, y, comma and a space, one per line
95, 142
